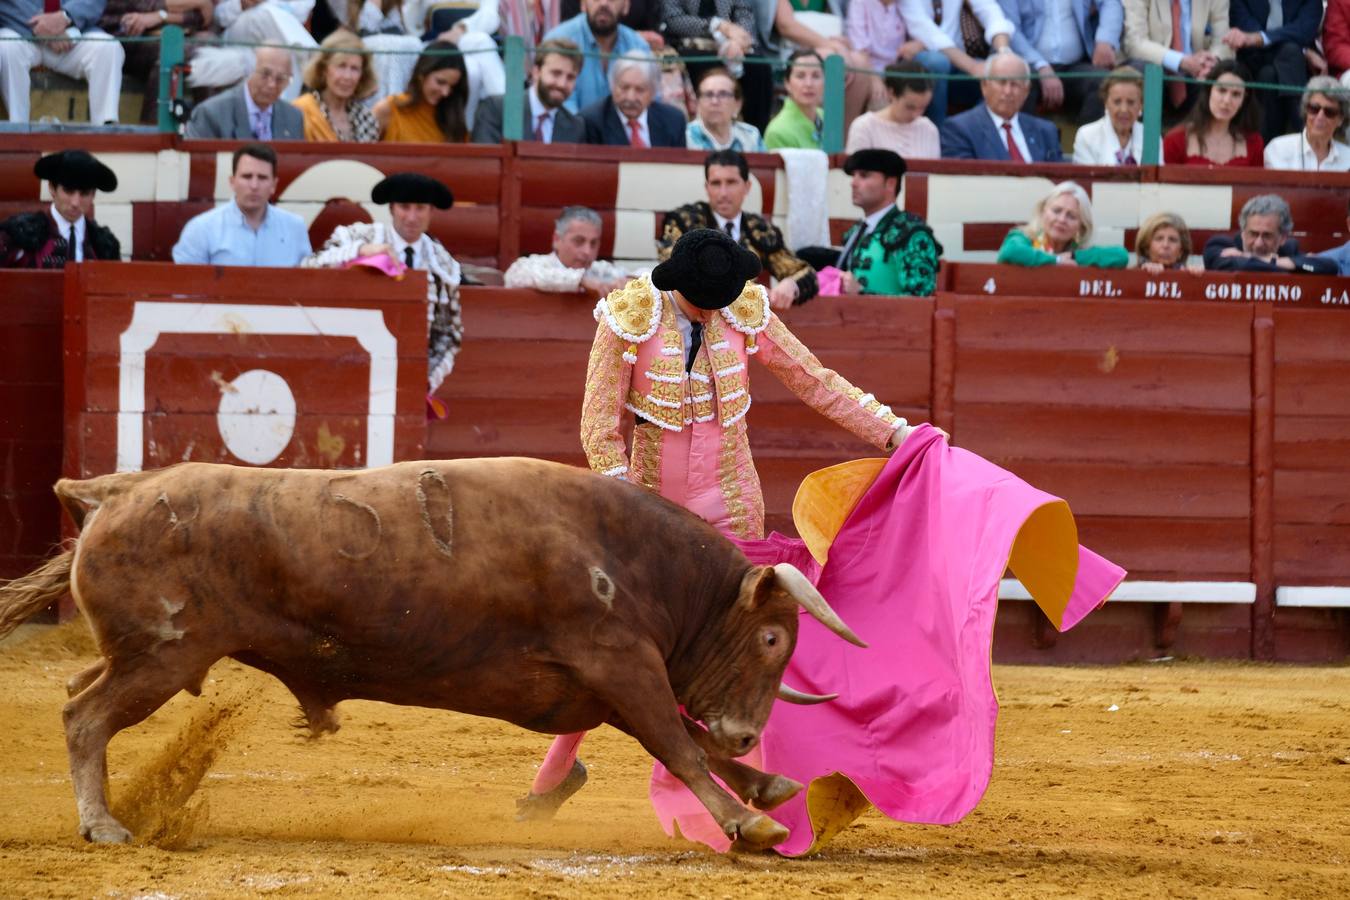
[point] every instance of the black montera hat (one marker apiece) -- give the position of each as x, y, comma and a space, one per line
412, 187
708, 268
887, 162
76, 170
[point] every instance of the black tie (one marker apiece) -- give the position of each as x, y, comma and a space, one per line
731, 229
846, 258
695, 341
408, 257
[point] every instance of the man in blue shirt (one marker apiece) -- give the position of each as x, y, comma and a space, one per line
1339, 255
247, 231
596, 30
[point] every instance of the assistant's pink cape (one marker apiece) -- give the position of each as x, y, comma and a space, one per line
914, 570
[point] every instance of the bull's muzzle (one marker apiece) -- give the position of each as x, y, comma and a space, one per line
810, 599
734, 737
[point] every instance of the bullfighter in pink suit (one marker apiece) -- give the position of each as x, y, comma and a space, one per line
673, 349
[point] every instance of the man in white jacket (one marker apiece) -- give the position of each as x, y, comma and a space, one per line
411, 197
573, 265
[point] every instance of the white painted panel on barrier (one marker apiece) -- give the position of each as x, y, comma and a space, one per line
634, 234
1200, 205
983, 198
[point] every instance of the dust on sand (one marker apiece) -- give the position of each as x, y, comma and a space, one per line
1168, 779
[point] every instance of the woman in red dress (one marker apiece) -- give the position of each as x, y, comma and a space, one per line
1223, 128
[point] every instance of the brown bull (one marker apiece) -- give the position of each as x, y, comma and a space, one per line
523, 590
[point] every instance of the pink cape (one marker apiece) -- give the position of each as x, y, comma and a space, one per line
914, 570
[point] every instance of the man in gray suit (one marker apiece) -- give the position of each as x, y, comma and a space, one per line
252, 111
556, 65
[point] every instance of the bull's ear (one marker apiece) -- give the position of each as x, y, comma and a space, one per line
756, 586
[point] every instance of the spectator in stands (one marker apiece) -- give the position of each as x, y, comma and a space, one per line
727, 181
249, 230
1339, 255
997, 129
643, 16
725, 29
1117, 138
1184, 38
337, 79
1164, 244
530, 20
1223, 126
394, 32
431, 110
958, 36
65, 231
1326, 108
1060, 234
901, 125
574, 265
1336, 39
819, 25
877, 28
717, 124
1270, 37
144, 18
889, 251
42, 33
596, 30
799, 123
411, 197
546, 118
629, 116
1078, 37
1263, 242
252, 110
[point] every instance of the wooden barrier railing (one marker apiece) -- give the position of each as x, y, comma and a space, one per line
1204, 444
508, 194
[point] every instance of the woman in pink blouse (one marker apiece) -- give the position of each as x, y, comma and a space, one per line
876, 28
901, 125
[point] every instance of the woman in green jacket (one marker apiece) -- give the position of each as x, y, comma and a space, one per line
799, 122
1059, 233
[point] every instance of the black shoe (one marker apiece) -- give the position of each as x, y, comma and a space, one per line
541, 807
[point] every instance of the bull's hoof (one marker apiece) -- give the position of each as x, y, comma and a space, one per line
779, 791
110, 832
541, 807
760, 833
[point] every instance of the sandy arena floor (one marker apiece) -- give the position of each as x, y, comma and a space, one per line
1158, 779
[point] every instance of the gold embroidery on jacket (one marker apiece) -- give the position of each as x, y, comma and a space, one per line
601, 407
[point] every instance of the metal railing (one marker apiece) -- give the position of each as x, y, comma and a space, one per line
173, 47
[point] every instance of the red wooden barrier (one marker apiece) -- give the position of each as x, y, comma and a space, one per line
1195, 440
30, 417
265, 367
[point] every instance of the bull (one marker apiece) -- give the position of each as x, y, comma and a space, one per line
518, 589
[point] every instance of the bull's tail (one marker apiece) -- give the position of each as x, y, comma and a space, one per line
24, 596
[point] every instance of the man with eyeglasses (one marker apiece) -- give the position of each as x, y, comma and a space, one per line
254, 110
727, 181
1263, 243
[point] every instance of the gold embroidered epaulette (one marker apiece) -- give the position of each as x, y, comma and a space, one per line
749, 313
633, 312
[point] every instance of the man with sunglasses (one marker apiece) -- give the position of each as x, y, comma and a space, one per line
254, 110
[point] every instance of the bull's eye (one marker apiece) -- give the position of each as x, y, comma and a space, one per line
771, 639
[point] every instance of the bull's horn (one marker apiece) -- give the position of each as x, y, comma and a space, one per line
792, 695
805, 593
